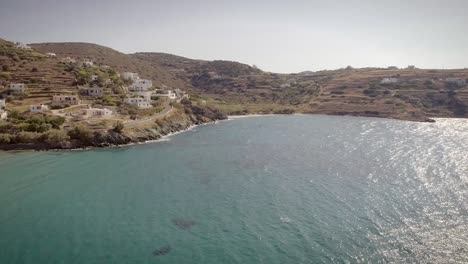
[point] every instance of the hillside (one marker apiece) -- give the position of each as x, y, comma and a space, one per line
75, 100
106, 56
238, 88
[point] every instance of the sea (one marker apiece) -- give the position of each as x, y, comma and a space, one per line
270, 189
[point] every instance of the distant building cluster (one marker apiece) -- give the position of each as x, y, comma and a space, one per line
39, 108
21, 45
389, 81
456, 82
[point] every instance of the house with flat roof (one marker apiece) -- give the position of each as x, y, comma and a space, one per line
2, 103
130, 76
63, 100
389, 81
456, 82
97, 112
38, 108
22, 45
139, 102
87, 63
67, 60
93, 91
17, 87
166, 93
140, 85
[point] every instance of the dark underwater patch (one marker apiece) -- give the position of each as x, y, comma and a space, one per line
162, 251
183, 224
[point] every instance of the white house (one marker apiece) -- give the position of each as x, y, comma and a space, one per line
21, 45
67, 60
389, 81
94, 77
17, 87
3, 115
456, 81
180, 94
167, 93
88, 63
141, 103
2, 103
94, 91
97, 112
130, 76
146, 95
51, 54
38, 108
140, 85
63, 100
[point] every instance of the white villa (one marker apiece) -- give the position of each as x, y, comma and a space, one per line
140, 85
94, 91
2, 103
181, 94
130, 76
97, 112
88, 63
141, 103
94, 78
17, 87
167, 93
67, 60
3, 115
21, 45
63, 100
459, 82
51, 54
38, 108
146, 95
389, 81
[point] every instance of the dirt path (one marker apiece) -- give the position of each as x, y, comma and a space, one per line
143, 121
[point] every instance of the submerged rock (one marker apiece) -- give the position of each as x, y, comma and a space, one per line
162, 251
183, 224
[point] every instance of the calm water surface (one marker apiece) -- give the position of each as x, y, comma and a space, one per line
279, 189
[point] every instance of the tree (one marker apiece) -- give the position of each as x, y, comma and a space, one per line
56, 137
82, 134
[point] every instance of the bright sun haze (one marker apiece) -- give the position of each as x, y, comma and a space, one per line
278, 36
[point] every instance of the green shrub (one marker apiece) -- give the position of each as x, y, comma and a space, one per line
5, 138
81, 133
55, 137
28, 137
5, 75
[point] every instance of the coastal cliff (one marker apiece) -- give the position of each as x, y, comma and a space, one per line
182, 118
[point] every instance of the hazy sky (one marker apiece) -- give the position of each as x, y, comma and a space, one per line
279, 36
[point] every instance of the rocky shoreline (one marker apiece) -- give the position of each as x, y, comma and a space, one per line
181, 121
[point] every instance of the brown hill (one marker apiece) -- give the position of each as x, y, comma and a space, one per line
239, 88
106, 56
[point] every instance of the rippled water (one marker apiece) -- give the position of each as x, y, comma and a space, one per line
279, 189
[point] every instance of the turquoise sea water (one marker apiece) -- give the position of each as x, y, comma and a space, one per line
276, 189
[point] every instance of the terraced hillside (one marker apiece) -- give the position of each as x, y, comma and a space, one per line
44, 76
237, 88
106, 56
